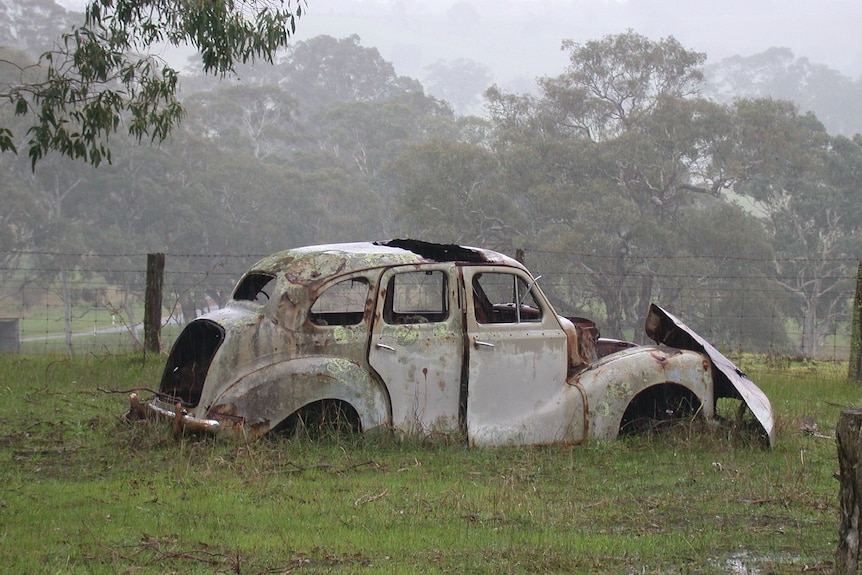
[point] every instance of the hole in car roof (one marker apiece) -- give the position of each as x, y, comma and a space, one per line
438, 252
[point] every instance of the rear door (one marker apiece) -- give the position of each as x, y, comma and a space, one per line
417, 347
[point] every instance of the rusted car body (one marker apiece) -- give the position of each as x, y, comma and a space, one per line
420, 338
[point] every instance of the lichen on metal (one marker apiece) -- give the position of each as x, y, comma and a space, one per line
511, 373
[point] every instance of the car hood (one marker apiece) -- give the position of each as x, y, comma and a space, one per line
664, 328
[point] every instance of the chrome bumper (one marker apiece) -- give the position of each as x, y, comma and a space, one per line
180, 418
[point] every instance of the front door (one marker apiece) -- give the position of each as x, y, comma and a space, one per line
417, 347
517, 391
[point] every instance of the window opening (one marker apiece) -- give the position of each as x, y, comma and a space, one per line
341, 304
417, 297
255, 286
504, 298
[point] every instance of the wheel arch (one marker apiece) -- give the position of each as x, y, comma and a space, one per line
264, 399
625, 385
656, 404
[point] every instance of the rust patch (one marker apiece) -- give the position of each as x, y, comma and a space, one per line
258, 429
224, 410
659, 357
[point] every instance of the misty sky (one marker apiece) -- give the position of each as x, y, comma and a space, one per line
520, 39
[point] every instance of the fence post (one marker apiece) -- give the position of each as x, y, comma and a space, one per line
153, 302
848, 434
854, 372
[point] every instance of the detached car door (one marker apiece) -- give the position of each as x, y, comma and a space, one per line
417, 347
517, 391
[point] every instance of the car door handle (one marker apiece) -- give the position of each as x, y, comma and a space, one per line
480, 343
384, 346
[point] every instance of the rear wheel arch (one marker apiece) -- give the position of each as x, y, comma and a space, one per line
320, 419
308, 388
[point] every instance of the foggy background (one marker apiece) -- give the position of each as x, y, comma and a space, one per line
519, 40
347, 135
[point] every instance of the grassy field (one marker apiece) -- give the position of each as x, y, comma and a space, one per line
84, 492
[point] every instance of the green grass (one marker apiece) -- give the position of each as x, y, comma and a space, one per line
83, 492
88, 342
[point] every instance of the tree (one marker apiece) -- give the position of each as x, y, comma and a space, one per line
446, 193
806, 184
460, 82
776, 73
612, 83
251, 119
621, 143
324, 71
102, 74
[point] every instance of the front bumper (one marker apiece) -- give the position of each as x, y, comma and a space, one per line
182, 421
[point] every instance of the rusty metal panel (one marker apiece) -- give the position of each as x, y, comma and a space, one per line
517, 390
419, 359
616, 379
730, 381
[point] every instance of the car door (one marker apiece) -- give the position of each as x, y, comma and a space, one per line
417, 347
517, 390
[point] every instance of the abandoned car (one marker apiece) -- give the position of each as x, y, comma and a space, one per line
422, 338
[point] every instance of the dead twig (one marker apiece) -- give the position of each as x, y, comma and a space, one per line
130, 390
369, 498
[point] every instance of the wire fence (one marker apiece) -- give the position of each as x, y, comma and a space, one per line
54, 303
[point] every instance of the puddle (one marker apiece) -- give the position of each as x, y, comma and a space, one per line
742, 564
745, 563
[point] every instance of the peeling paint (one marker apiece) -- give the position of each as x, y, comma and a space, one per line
451, 359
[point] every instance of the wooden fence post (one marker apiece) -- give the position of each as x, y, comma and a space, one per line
854, 372
153, 303
848, 434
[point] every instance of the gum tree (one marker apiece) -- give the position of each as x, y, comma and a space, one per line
623, 140
102, 74
805, 183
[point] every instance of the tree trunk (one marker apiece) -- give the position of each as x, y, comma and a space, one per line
187, 305
153, 303
67, 312
849, 438
644, 301
809, 345
855, 370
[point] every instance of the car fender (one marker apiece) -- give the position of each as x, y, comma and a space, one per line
614, 381
274, 392
662, 327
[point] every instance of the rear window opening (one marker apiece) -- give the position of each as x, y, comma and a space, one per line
255, 286
417, 297
187, 367
341, 304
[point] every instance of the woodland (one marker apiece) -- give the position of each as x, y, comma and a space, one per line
633, 175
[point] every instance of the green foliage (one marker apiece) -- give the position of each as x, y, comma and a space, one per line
103, 77
620, 182
85, 492
446, 193
803, 182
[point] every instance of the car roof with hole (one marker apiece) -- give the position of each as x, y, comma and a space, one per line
315, 262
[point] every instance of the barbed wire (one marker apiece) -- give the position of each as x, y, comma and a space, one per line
32, 295
571, 253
